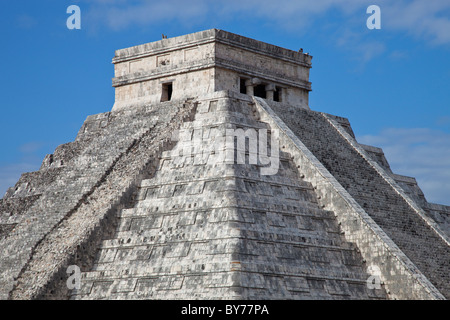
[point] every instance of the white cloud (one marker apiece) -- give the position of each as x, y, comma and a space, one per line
121, 14
29, 161
30, 147
398, 55
10, 174
424, 19
26, 21
443, 121
418, 152
429, 20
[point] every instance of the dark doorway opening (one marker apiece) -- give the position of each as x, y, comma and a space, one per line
242, 88
167, 90
277, 94
260, 91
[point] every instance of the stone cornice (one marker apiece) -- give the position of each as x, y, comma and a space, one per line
210, 63
161, 72
209, 36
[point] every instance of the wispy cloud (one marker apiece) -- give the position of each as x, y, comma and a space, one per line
341, 23
443, 121
429, 20
398, 55
29, 161
119, 14
354, 42
25, 21
10, 174
30, 147
421, 153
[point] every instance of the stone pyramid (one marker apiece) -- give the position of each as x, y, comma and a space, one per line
211, 178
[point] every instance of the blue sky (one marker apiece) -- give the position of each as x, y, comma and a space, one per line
393, 84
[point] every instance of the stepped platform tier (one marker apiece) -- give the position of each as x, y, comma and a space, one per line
212, 178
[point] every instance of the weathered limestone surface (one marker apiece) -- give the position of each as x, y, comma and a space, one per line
202, 228
439, 213
423, 242
205, 62
88, 188
148, 204
402, 279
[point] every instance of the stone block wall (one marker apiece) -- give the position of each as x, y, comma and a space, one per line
168, 218
52, 231
201, 228
384, 201
204, 62
149, 204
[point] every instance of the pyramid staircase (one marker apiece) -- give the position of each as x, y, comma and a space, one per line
205, 229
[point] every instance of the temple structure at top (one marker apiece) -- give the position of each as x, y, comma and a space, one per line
208, 61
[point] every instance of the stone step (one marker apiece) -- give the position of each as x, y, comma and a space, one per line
144, 211
193, 219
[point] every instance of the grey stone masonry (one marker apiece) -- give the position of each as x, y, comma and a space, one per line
91, 184
205, 229
212, 179
439, 213
398, 216
205, 62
